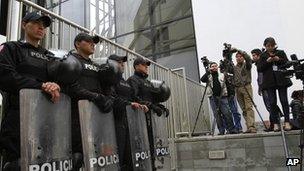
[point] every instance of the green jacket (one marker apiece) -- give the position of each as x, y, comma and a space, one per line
242, 73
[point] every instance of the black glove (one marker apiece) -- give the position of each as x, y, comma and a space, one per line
104, 103
156, 109
166, 112
164, 109
160, 109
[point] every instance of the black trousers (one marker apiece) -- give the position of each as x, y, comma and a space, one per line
10, 135
76, 134
123, 143
283, 96
151, 138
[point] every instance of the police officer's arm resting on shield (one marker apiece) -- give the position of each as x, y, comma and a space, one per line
23, 64
143, 89
17, 59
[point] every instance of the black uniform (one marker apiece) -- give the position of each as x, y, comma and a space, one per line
123, 94
142, 88
21, 66
142, 93
86, 87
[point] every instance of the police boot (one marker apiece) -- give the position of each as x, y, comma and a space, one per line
12, 166
77, 161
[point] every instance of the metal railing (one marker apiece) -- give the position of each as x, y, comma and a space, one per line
185, 93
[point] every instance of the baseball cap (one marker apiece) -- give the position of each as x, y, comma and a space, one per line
86, 37
34, 16
140, 60
118, 58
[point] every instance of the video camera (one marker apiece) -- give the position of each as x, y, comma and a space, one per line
205, 61
228, 51
298, 68
226, 65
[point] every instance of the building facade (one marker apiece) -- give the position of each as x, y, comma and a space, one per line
159, 29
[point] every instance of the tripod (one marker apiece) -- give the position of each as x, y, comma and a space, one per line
255, 106
301, 146
201, 105
217, 114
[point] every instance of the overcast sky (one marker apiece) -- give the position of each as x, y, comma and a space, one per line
245, 24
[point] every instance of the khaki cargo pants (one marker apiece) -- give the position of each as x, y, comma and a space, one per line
245, 103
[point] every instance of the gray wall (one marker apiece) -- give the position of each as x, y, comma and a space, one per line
246, 152
185, 59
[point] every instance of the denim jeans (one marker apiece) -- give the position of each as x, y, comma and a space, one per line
221, 112
235, 113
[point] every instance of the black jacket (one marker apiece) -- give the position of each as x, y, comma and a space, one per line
141, 88
123, 94
271, 78
88, 85
22, 66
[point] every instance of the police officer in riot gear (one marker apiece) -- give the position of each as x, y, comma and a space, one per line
143, 89
123, 94
23, 64
144, 94
88, 86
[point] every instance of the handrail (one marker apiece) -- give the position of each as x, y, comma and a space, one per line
86, 30
185, 92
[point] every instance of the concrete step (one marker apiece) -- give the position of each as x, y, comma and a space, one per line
262, 151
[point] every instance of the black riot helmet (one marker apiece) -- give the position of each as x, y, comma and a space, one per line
109, 73
64, 69
161, 92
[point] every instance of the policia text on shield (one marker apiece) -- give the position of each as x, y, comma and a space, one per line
25, 64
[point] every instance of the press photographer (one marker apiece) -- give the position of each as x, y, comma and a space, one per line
217, 93
227, 68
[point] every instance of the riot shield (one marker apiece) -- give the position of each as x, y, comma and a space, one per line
98, 138
45, 132
139, 140
161, 143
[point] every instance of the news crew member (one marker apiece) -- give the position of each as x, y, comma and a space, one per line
217, 92
256, 56
23, 64
242, 79
273, 80
297, 109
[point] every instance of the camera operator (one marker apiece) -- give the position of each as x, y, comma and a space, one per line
227, 68
243, 86
271, 60
256, 54
217, 93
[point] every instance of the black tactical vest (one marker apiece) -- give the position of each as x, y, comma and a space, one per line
123, 89
89, 76
145, 87
34, 61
